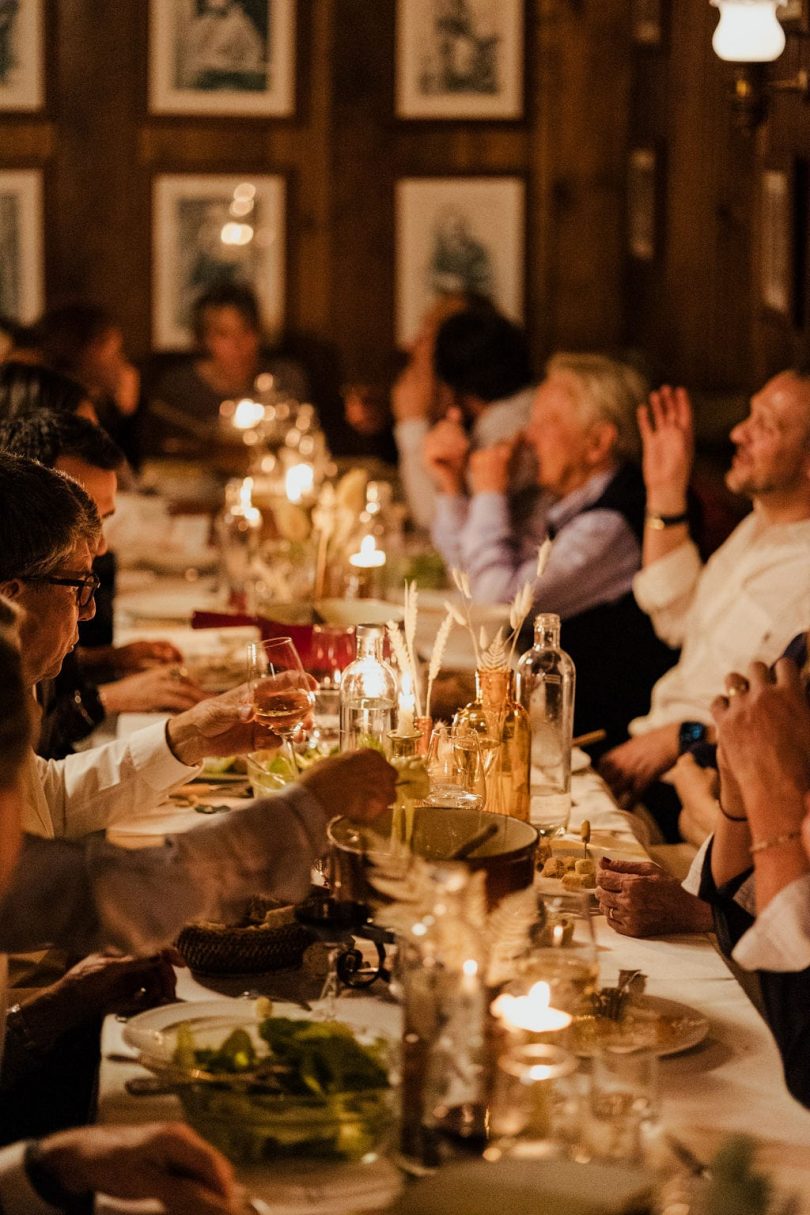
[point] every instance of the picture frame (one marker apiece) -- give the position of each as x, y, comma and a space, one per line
198, 64
647, 22
213, 228
21, 245
460, 59
795, 14
642, 204
21, 57
457, 233
776, 242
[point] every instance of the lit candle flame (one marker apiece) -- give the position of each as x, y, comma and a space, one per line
247, 414
298, 482
531, 1012
369, 556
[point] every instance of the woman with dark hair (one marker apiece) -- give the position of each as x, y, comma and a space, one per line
227, 326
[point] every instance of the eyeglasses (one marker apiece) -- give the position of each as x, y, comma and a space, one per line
85, 586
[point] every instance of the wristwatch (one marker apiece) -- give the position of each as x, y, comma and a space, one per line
659, 522
689, 733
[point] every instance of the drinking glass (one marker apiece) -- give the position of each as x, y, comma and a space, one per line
623, 1111
280, 691
455, 769
563, 952
535, 1105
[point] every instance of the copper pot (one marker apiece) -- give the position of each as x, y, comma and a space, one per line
507, 857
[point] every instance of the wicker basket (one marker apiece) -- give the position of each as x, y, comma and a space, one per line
224, 949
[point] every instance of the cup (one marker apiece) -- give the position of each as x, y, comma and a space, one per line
535, 1102
624, 1107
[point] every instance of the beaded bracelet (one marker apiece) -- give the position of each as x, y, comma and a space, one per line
732, 818
763, 845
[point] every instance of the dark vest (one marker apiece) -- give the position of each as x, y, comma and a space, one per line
616, 652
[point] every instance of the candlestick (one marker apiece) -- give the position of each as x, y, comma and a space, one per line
407, 705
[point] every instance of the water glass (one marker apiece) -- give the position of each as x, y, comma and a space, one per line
455, 769
624, 1107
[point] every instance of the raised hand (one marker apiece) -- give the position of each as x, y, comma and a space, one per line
665, 424
445, 452
489, 468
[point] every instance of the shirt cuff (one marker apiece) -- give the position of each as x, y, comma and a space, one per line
667, 579
779, 940
692, 882
153, 761
410, 433
17, 1195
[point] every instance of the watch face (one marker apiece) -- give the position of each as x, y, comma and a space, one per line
690, 732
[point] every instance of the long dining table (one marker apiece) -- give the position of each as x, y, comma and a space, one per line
731, 1082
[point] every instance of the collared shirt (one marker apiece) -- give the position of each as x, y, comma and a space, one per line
90, 790
743, 606
593, 559
779, 938
500, 421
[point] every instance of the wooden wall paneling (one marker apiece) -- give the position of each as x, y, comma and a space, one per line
578, 165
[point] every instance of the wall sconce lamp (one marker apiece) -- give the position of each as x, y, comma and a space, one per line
750, 35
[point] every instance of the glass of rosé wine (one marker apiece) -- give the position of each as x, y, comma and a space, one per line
281, 693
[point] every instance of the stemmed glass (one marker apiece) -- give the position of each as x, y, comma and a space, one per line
281, 693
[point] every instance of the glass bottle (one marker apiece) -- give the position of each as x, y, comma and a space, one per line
546, 679
368, 694
502, 726
445, 1074
238, 530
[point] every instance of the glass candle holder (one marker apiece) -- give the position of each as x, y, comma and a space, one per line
534, 1102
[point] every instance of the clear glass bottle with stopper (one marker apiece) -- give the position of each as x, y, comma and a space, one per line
368, 694
546, 679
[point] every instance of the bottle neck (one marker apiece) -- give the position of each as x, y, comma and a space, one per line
547, 632
370, 647
494, 687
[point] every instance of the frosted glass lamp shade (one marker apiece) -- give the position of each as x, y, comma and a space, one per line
748, 31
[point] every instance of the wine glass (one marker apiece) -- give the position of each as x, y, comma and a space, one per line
281, 692
455, 769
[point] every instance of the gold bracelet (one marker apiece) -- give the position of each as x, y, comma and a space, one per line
775, 841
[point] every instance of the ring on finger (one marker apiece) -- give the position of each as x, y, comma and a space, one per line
737, 688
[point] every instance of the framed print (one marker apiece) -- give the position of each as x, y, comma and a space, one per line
647, 22
21, 260
641, 204
222, 57
776, 223
215, 229
459, 58
457, 234
21, 51
795, 14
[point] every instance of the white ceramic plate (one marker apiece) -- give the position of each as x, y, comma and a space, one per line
175, 605
602, 843
666, 1027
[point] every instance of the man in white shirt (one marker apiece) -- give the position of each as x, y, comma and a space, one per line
752, 596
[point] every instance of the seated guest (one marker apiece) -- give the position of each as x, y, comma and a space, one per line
27, 388
162, 1161
749, 599
419, 399
73, 704
85, 342
184, 407
591, 500
755, 870
483, 370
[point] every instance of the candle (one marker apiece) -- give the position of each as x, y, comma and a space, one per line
247, 414
369, 556
245, 506
407, 706
531, 1012
298, 481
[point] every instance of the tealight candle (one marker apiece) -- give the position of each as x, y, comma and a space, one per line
298, 482
531, 1013
369, 556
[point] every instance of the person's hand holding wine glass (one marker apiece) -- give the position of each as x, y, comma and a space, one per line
281, 693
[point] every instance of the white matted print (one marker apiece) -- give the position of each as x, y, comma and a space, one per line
21, 272
460, 58
21, 55
222, 57
215, 229
458, 234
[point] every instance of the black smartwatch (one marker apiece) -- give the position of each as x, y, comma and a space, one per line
689, 733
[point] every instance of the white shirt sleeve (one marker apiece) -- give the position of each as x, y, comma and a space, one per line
17, 1195
666, 589
420, 492
779, 938
92, 789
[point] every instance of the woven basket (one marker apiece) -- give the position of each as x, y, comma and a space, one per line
221, 949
